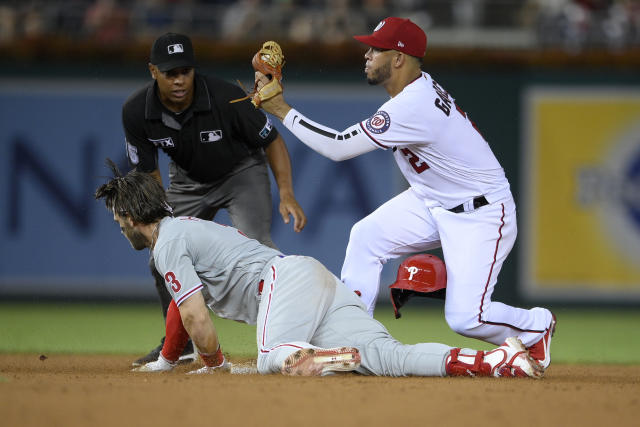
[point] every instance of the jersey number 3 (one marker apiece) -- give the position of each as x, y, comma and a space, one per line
418, 165
171, 278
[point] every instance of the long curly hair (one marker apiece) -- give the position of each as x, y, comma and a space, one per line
137, 195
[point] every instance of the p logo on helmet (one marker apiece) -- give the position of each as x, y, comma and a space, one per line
420, 275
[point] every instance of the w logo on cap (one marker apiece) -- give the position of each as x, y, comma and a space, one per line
175, 48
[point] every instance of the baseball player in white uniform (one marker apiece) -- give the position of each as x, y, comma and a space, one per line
308, 322
458, 199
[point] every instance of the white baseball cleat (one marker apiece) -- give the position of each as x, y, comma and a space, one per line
541, 351
511, 359
321, 361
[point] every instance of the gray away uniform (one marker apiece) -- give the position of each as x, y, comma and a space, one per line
294, 300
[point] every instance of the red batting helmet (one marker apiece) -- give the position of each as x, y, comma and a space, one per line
422, 275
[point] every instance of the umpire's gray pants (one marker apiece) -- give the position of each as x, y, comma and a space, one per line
303, 305
245, 193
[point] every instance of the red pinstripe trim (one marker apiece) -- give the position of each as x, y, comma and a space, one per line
188, 294
280, 345
486, 285
266, 316
372, 138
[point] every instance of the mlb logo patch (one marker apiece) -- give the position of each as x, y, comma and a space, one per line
175, 48
210, 135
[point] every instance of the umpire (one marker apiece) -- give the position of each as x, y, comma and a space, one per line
217, 150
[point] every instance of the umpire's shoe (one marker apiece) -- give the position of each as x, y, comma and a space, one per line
188, 355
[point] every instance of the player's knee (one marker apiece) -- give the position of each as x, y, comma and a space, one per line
361, 228
261, 364
461, 322
361, 232
264, 364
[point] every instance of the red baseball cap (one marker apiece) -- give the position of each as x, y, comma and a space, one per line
398, 34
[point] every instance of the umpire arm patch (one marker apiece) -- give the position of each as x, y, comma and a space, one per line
132, 152
266, 129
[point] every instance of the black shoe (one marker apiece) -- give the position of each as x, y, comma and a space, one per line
151, 357
189, 355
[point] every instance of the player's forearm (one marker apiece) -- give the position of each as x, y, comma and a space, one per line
203, 334
196, 320
280, 165
328, 142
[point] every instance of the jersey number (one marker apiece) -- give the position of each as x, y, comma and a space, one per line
418, 165
171, 278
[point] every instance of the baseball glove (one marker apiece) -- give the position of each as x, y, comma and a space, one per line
269, 60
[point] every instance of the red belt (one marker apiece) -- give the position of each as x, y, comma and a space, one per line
260, 286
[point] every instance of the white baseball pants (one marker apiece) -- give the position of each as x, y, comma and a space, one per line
475, 245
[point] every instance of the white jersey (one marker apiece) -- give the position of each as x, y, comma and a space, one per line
197, 255
437, 148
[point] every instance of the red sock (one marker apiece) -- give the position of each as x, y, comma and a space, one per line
176, 335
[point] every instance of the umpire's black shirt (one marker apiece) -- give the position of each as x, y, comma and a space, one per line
206, 140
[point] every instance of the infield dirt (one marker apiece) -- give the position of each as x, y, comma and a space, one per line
95, 391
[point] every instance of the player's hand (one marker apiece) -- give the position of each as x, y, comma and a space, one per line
160, 365
223, 367
289, 206
275, 105
261, 80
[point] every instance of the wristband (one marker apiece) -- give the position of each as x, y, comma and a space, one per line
213, 360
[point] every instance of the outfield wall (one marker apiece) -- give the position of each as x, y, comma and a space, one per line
58, 241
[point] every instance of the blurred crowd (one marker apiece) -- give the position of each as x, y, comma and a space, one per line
576, 24
571, 24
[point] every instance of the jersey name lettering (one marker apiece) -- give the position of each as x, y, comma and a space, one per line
443, 102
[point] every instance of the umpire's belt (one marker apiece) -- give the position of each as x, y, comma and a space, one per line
476, 203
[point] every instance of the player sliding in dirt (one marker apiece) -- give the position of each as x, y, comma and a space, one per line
458, 199
308, 322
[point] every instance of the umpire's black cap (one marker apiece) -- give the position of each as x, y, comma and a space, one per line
171, 51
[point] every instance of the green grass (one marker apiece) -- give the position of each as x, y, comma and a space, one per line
583, 335
100, 328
